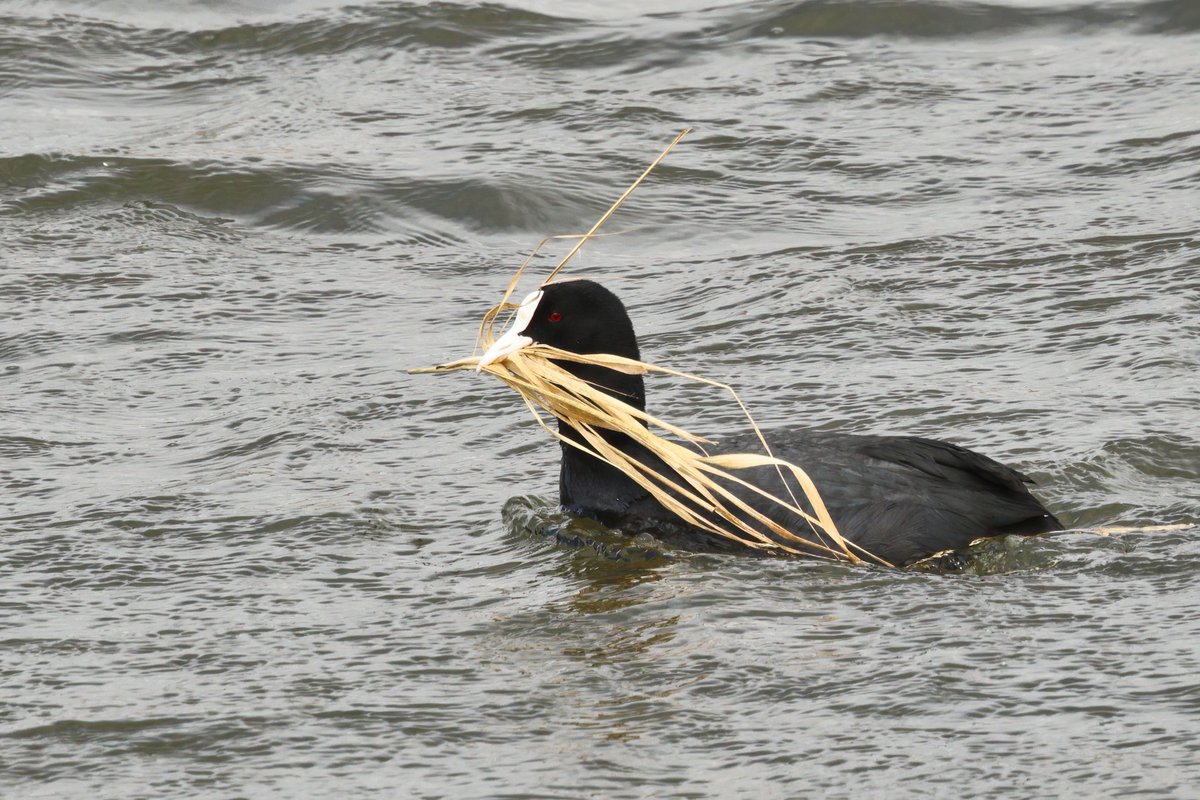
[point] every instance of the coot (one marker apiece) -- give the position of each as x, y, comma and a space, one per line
903, 498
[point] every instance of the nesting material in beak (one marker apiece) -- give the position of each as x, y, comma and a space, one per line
513, 340
696, 487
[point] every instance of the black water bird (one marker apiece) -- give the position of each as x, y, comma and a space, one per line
903, 498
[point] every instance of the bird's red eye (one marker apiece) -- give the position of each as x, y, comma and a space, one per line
555, 316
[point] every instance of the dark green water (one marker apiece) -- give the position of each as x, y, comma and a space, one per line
245, 555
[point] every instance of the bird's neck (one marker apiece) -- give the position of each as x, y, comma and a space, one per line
628, 388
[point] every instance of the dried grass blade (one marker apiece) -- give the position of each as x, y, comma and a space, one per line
612, 209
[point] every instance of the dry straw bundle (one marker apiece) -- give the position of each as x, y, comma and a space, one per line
697, 487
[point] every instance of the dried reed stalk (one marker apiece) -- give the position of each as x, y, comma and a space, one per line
698, 488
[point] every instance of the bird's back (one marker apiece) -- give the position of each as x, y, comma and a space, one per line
901, 498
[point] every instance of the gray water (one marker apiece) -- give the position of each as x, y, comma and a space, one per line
246, 555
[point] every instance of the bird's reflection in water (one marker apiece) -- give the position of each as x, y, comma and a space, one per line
617, 580
616, 619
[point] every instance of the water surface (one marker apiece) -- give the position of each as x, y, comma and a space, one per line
246, 555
